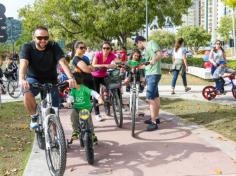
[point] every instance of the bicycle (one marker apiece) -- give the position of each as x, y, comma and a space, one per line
86, 134
210, 92
134, 95
111, 95
11, 85
50, 135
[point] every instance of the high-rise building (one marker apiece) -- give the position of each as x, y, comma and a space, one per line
192, 18
210, 14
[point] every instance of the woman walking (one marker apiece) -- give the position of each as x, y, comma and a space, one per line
179, 64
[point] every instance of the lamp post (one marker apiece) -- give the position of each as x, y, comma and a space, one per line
147, 20
13, 43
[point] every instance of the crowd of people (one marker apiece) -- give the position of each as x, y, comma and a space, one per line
42, 59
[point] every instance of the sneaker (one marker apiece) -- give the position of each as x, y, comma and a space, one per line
149, 121
187, 89
98, 118
95, 139
152, 126
34, 122
75, 135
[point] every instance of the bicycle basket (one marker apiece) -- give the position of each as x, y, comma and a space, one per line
113, 80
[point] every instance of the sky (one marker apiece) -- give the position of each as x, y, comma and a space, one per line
13, 5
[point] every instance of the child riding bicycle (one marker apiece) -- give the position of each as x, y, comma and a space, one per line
219, 73
80, 97
135, 61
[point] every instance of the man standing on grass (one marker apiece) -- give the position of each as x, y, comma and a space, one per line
152, 54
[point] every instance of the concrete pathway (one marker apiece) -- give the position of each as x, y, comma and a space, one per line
176, 149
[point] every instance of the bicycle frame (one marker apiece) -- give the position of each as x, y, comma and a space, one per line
46, 115
134, 89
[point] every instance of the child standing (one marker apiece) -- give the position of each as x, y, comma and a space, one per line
135, 61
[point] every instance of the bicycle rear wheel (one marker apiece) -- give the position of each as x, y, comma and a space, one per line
117, 108
40, 136
234, 91
56, 152
133, 113
14, 89
88, 145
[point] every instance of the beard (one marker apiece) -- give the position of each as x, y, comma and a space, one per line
41, 47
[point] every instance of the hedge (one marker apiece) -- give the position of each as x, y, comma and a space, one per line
198, 62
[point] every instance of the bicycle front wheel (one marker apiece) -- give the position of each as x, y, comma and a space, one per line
88, 145
117, 108
133, 113
56, 151
14, 89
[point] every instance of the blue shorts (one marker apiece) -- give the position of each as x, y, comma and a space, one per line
35, 92
152, 86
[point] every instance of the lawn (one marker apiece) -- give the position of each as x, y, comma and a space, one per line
220, 118
15, 139
192, 80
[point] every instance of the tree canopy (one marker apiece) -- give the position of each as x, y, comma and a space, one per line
164, 38
96, 20
225, 28
194, 36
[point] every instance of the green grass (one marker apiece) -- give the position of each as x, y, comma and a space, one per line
15, 139
220, 118
192, 80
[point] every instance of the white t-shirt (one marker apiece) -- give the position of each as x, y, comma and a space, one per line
179, 54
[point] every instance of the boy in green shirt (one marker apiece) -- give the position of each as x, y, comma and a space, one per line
80, 96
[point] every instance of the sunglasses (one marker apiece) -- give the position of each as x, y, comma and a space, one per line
42, 37
106, 48
83, 47
218, 43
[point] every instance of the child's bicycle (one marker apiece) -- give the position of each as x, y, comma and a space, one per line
86, 134
210, 92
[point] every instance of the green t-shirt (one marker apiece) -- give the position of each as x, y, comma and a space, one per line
133, 63
149, 53
81, 97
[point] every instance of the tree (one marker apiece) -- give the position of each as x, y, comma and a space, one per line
225, 27
232, 4
194, 36
164, 38
99, 19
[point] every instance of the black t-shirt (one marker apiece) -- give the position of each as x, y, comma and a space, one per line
42, 64
87, 78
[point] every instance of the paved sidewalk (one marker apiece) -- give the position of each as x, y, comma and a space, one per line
176, 149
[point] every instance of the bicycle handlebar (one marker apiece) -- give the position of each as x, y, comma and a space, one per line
48, 86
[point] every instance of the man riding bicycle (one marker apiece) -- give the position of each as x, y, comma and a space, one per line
38, 64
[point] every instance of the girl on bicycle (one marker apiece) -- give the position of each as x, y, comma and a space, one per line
218, 60
134, 61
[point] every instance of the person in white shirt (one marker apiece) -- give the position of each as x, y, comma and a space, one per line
179, 64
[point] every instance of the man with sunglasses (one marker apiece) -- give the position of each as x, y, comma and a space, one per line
151, 51
38, 64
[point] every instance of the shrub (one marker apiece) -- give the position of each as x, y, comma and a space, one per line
198, 62
193, 61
